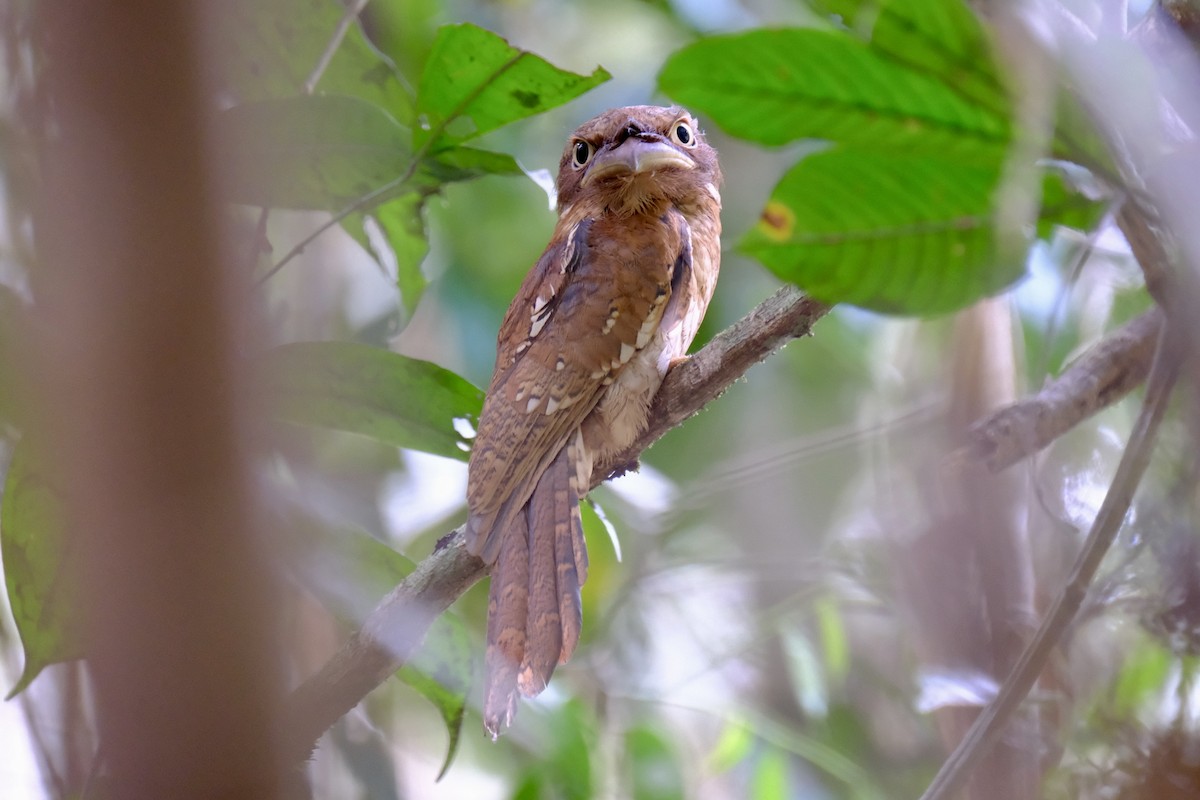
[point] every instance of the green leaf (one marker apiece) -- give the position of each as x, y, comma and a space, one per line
654, 768
900, 234
1142, 676
38, 569
366, 390
1063, 206
270, 48
402, 226
776, 86
466, 163
732, 748
568, 765
474, 82
319, 152
938, 38
771, 780
530, 787
833, 639
345, 567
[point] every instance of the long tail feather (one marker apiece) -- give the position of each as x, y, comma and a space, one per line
508, 609
549, 509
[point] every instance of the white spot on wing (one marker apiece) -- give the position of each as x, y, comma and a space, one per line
533, 403
539, 322
627, 351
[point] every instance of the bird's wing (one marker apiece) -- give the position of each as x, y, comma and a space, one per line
593, 300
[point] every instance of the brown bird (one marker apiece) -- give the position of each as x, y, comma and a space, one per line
615, 299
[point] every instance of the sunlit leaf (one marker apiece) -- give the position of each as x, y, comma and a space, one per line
474, 82
941, 38
833, 639
40, 573
654, 768
771, 780
1142, 676
902, 234
732, 747
374, 392
402, 228
778, 85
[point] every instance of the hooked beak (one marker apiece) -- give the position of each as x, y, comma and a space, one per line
635, 156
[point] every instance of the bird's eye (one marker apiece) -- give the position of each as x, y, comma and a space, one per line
682, 133
582, 152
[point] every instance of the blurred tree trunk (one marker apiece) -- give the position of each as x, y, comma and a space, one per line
968, 578
144, 414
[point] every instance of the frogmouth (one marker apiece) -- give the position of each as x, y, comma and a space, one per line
616, 297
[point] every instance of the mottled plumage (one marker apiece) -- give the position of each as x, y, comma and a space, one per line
618, 294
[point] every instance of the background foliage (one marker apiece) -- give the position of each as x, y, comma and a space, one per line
747, 633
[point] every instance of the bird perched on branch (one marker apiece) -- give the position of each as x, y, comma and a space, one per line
616, 297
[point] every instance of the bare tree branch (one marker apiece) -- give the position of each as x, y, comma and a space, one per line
1105, 374
992, 722
398, 624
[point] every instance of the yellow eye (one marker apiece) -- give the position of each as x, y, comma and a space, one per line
682, 133
581, 153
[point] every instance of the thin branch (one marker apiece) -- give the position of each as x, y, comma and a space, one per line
368, 200
348, 16
992, 722
1105, 374
398, 624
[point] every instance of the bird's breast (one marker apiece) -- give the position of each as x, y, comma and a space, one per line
622, 412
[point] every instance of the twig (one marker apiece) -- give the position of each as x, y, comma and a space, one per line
348, 16
367, 200
398, 624
991, 723
1105, 374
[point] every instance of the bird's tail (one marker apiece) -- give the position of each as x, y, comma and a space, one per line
534, 610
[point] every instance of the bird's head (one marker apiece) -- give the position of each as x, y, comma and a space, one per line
637, 159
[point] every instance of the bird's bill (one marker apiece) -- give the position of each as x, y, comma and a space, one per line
634, 157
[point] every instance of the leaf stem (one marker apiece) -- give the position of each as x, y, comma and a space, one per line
351, 13
367, 200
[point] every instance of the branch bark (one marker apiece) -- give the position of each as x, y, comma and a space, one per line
1105, 374
396, 627
992, 721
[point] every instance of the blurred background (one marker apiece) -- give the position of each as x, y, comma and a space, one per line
784, 600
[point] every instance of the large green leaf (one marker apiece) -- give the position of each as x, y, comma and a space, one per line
270, 48
775, 86
939, 38
903, 234
474, 82
345, 566
366, 390
40, 573
318, 152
